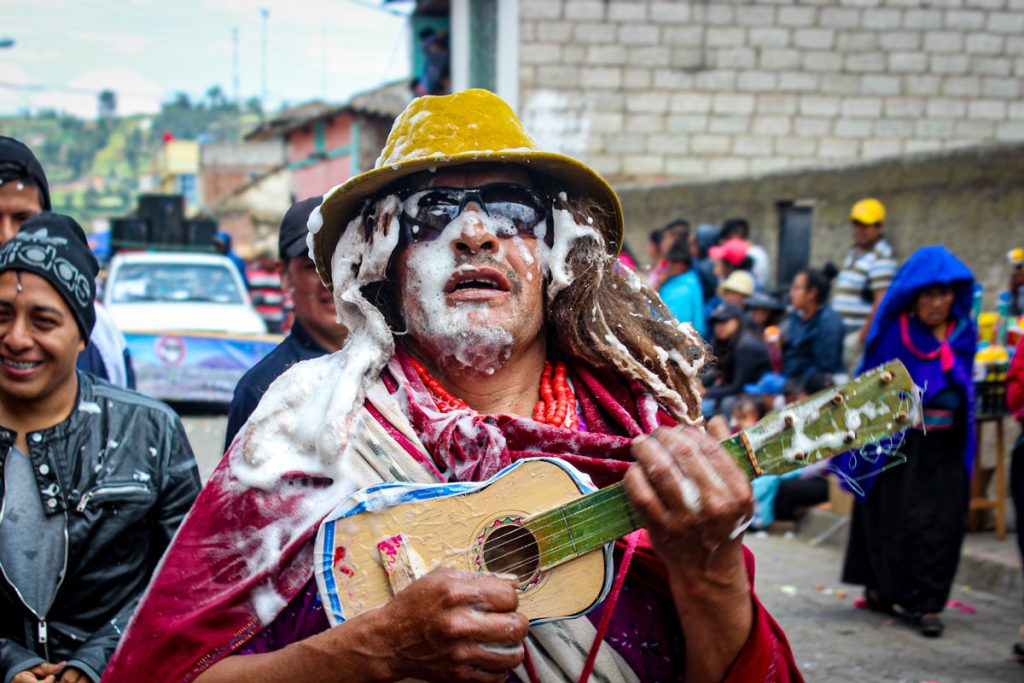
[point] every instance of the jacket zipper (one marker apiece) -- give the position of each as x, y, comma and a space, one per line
42, 629
83, 503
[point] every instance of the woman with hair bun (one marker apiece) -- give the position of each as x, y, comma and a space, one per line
814, 331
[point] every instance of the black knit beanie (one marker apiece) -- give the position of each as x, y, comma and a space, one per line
17, 161
54, 247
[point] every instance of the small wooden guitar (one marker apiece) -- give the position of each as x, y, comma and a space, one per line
540, 520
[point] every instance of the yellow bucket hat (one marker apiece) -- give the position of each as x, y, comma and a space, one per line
468, 127
868, 211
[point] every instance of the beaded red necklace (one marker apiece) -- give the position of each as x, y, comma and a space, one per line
556, 407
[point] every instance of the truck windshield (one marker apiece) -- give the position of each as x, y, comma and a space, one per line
174, 283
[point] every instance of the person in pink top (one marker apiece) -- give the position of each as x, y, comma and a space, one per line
1015, 401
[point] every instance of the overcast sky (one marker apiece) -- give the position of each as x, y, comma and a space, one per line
67, 51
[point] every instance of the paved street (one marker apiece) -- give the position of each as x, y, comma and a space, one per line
206, 434
832, 640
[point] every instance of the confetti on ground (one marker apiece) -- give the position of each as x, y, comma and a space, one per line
819, 586
788, 590
860, 603
962, 607
841, 595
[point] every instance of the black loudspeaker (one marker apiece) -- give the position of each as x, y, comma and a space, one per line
200, 231
165, 214
129, 230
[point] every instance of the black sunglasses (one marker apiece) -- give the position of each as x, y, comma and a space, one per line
426, 212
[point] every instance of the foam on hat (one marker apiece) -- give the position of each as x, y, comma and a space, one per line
468, 127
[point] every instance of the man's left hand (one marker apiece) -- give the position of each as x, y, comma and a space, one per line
694, 500
73, 675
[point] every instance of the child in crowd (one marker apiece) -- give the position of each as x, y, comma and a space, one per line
747, 411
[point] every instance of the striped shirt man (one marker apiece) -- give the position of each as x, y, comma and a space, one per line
865, 271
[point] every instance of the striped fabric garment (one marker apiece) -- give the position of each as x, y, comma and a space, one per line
862, 274
938, 420
940, 413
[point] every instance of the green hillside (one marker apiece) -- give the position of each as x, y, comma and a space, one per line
95, 166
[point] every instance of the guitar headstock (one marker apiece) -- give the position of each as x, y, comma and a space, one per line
875, 405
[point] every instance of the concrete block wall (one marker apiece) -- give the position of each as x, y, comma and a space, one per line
718, 88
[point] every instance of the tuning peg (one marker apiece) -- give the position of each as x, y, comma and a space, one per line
838, 399
902, 416
850, 436
886, 377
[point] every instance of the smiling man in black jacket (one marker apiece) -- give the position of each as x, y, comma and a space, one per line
96, 479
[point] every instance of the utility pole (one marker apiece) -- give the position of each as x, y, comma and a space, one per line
265, 13
323, 61
234, 76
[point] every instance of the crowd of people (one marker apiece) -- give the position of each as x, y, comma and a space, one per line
805, 330
458, 308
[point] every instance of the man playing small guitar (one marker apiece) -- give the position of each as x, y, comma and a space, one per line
488, 324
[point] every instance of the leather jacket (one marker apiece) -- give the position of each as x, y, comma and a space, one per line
120, 470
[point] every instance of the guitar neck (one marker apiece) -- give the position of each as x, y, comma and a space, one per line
873, 406
598, 518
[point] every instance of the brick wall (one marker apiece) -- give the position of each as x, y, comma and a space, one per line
697, 88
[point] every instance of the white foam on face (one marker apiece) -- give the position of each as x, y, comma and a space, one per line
567, 231
526, 251
464, 333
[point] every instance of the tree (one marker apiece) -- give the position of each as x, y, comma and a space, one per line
181, 101
215, 98
108, 105
254, 105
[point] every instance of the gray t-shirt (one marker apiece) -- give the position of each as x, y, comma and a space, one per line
32, 543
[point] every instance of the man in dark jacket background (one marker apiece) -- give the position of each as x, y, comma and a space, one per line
96, 479
314, 333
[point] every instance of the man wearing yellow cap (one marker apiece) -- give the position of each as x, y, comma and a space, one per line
488, 325
868, 268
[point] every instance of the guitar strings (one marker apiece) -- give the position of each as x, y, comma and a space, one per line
822, 454
540, 532
556, 525
869, 434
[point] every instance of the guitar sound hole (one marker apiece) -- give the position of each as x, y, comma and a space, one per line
512, 549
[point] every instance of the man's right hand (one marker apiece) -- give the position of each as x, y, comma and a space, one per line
40, 673
448, 625
445, 626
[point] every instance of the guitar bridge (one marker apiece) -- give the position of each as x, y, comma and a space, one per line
401, 564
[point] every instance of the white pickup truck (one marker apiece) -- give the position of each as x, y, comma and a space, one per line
191, 328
